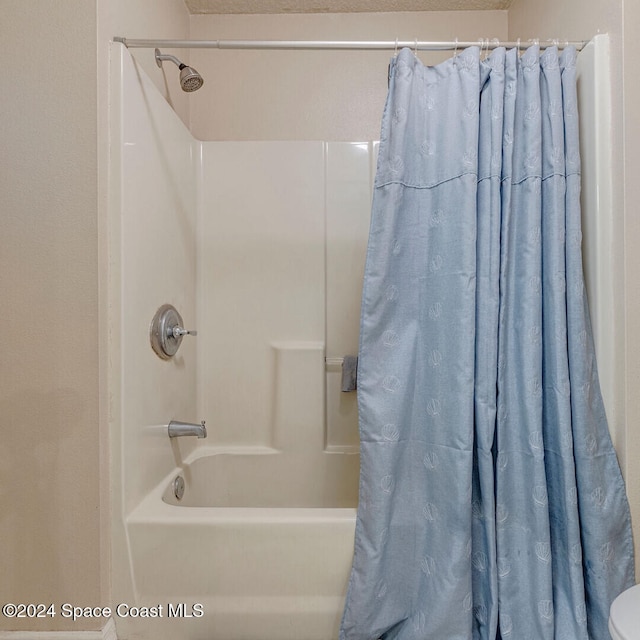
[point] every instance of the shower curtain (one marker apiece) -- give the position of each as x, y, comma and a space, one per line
491, 501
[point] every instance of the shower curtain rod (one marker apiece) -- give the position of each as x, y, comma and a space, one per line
340, 45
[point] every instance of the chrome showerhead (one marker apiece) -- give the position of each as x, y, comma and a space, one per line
190, 79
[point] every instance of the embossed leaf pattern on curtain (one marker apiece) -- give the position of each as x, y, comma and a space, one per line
491, 500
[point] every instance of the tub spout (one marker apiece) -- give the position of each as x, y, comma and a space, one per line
177, 429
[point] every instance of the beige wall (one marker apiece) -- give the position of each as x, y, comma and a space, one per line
631, 194
50, 522
575, 19
54, 458
148, 19
311, 95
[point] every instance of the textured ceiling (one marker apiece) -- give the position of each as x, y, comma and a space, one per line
339, 6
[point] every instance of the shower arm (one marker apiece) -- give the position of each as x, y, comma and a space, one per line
167, 56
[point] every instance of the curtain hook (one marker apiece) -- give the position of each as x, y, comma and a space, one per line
518, 46
395, 53
455, 51
415, 51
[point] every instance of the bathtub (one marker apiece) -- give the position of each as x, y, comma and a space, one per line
250, 552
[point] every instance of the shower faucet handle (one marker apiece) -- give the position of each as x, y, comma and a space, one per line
178, 332
166, 331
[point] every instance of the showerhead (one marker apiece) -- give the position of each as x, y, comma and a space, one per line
190, 79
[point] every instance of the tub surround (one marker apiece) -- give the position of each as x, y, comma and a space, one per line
260, 247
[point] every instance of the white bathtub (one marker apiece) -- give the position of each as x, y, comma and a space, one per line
267, 558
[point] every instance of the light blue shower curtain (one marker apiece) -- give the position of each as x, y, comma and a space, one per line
491, 500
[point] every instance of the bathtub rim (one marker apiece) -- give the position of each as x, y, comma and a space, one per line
153, 509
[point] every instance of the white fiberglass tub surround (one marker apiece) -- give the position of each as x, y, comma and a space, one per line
261, 248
